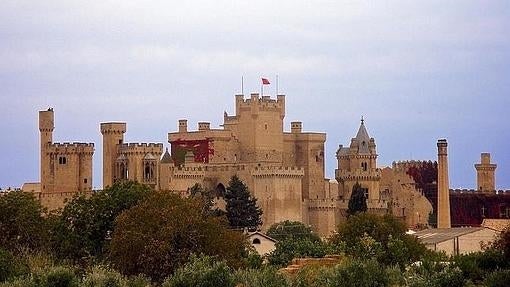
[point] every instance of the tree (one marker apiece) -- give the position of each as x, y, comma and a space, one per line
383, 237
207, 198
22, 225
86, 224
158, 235
242, 209
291, 230
358, 201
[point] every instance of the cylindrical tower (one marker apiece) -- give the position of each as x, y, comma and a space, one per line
46, 127
443, 186
113, 135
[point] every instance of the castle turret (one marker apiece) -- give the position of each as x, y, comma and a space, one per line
485, 173
443, 186
113, 136
46, 127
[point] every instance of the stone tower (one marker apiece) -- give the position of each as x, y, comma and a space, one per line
443, 186
485, 173
65, 167
113, 135
357, 163
46, 127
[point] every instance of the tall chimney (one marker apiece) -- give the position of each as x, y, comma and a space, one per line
443, 186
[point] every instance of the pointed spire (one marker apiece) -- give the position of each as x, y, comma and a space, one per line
362, 137
167, 158
362, 120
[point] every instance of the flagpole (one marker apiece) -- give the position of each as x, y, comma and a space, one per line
242, 85
277, 85
261, 87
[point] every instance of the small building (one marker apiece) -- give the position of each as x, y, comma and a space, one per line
455, 241
262, 243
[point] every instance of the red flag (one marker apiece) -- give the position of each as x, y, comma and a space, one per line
265, 81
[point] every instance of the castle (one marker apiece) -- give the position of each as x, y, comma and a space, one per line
284, 170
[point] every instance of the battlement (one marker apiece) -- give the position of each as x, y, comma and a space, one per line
474, 191
256, 103
113, 127
330, 203
75, 147
142, 147
262, 171
405, 165
358, 174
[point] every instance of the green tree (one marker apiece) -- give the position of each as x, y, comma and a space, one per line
158, 235
382, 237
202, 271
358, 201
86, 224
242, 209
287, 250
207, 198
22, 225
291, 230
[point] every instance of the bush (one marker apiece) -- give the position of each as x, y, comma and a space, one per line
104, 277
289, 249
57, 277
201, 271
500, 278
265, 277
356, 273
438, 276
6, 266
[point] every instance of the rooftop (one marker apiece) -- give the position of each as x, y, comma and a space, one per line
433, 236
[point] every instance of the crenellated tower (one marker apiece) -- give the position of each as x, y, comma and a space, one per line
485, 174
358, 163
65, 167
46, 127
113, 136
258, 124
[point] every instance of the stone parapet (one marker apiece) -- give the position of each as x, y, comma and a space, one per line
358, 174
68, 148
403, 166
281, 171
142, 148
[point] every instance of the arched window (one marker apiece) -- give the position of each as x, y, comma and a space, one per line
256, 241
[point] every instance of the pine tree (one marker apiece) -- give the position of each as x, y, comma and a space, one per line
242, 209
358, 201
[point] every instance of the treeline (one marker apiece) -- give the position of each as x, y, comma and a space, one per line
130, 235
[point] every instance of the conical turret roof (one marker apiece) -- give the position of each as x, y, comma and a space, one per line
363, 138
167, 158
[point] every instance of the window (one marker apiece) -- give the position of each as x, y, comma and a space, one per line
365, 191
483, 211
84, 180
364, 166
256, 241
62, 160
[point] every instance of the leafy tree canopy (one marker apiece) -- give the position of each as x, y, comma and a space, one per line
382, 237
358, 201
158, 235
22, 225
242, 209
86, 224
291, 230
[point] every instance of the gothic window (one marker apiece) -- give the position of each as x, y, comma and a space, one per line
62, 160
364, 166
365, 191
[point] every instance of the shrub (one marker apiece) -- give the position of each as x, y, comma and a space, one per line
265, 277
356, 273
201, 271
500, 278
57, 277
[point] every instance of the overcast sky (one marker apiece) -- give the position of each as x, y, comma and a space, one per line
416, 70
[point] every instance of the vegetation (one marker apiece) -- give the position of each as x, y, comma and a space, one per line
291, 230
22, 225
158, 236
381, 237
130, 236
242, 209
86, 224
